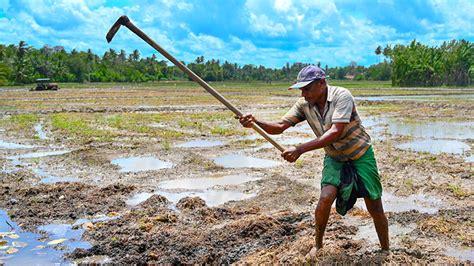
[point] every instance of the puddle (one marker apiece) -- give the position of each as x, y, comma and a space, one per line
15, 160
138, 164
368, 231
250, 137
422, 98
462, 253
11, 146
201, 143
30, 251
436, 146
432, 129
38, 154
242, 161
66, 231
421, 203
211, 197
50, 179
39, 131
205, 183
470, 159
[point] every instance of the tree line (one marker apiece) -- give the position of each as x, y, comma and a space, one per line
414, 64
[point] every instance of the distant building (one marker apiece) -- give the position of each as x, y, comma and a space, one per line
349, 77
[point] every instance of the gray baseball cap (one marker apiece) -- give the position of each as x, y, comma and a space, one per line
307, 75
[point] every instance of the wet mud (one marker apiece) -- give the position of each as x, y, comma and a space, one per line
429, 196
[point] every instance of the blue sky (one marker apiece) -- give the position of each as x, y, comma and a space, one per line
260, 32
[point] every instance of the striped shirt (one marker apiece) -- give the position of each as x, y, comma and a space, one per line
340, 108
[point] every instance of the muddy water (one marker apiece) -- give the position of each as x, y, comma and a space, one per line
242, 161
50, 179
138, 164
25, 248
199, 187
39, 131
422, 98
38, 154
201, 143
462, 253
368, 231
436, 146
432, 129
470, 159
10, 145
66, 231
205, 183
421, 203
211, 197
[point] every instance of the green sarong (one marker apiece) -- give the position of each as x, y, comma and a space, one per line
366, 168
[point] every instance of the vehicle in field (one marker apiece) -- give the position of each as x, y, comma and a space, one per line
43, 84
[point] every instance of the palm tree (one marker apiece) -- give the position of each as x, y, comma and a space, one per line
378, 51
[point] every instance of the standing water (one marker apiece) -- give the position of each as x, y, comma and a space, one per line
23, 248
138, 164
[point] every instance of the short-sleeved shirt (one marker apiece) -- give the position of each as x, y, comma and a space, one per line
339, 108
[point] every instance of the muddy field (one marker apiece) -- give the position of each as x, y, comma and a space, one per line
164, 174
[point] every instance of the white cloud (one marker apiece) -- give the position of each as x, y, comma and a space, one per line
282, 5
262, 24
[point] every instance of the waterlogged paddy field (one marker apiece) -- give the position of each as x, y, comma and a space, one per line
164, 173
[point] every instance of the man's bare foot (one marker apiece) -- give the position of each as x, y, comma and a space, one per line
312, 254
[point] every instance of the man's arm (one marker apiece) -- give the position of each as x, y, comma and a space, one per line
273, 128
333, 134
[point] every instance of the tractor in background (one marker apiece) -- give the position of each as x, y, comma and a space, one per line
44, 85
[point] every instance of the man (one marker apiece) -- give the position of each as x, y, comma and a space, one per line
332, 115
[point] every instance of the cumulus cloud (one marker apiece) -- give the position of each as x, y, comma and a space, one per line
268, 32
262, 24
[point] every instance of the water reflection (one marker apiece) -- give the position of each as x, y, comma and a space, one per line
436, 146
39, 130
421, 98
199, 187
211, 197
29, 250
204, 183
138, 164
11, 146
462, 253
419, 202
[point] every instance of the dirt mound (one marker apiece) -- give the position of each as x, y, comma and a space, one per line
191, 203
169, 237
64, 201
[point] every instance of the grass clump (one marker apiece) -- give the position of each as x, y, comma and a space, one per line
457, 190
24, 121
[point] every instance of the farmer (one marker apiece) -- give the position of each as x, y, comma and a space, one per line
350, 170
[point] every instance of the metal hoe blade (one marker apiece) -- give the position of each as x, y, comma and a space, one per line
111, 33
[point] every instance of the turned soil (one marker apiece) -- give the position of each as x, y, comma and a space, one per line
429, 196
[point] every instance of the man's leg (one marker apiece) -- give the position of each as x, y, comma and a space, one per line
375, 209
327, 197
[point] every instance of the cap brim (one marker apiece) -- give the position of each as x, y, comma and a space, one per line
300, 85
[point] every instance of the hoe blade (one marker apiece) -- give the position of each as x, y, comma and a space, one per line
123, 20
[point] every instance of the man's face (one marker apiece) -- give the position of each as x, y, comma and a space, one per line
313, 92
